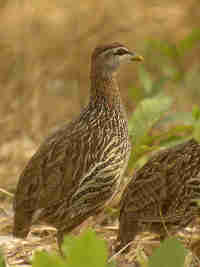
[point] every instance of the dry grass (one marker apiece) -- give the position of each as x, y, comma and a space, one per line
20, 252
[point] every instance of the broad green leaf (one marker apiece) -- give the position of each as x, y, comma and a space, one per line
44, 259
85, 250
2, 261
68, 243
170, 253
146, 115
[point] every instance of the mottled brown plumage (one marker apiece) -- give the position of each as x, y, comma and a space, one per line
77, 169
162, 194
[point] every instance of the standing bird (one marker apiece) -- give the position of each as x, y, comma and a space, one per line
76, 170
162, 194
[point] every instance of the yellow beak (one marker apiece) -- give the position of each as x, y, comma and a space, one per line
137, 58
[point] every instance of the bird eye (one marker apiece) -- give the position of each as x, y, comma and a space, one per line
121, 52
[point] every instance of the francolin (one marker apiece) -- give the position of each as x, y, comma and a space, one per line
77, 169
163, 194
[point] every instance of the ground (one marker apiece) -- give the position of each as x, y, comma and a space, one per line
19, 252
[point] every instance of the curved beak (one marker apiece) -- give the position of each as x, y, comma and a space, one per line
136, 57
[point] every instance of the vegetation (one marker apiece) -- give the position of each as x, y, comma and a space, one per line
87, 250
2, 261
83, 251
156, 123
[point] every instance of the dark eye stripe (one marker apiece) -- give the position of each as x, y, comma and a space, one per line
121, 51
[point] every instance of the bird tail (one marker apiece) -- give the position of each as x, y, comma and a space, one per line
21, 225
22, 218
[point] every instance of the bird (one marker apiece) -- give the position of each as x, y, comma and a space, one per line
162, 195
78, 168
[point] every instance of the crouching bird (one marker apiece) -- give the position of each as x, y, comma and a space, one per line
163, 194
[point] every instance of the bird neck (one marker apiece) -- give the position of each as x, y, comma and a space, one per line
104, 88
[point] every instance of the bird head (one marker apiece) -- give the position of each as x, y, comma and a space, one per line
110, 57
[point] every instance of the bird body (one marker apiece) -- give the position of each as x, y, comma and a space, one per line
76, 170
162, 193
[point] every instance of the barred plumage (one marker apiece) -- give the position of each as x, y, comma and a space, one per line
77, 169
162, 194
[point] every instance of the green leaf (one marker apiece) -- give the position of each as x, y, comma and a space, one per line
111, 264
196, 132
68, 244
85, 250
136, 93
169, 49
44, 259
178, 117
146, 115
158, 85
171, 253
2, 261
196, 112
172, 136
145, 79
189, 42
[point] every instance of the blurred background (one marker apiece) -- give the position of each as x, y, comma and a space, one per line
45, 49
